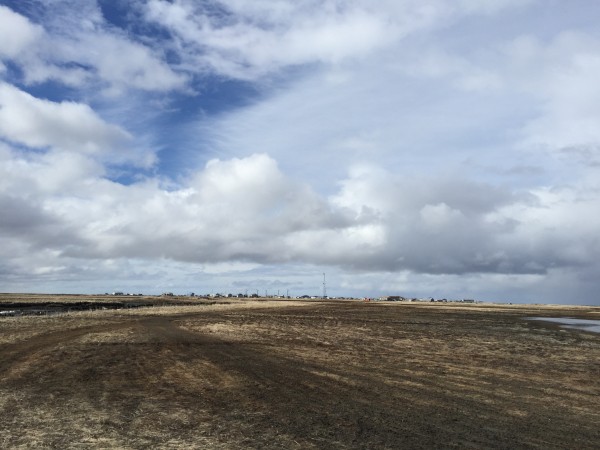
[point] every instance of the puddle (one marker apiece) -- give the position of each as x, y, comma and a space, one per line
566, 322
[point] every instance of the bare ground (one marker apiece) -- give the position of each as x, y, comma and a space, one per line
300, 375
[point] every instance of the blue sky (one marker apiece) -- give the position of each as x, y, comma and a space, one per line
419, 148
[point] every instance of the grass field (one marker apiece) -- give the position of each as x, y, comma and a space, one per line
291, 374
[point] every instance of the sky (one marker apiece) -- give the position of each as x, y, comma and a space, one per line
443, 148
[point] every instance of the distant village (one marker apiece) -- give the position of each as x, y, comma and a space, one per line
386, 298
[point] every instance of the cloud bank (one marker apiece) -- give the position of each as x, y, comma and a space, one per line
248, 210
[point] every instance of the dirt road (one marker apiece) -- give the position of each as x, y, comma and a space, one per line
317, 375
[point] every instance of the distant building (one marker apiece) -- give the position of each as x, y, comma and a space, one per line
392, 298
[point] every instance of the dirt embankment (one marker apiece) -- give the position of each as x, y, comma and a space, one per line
315, 375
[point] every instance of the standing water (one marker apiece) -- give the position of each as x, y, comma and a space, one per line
566, 322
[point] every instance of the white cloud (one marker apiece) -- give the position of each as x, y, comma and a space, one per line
461, 72
66, 125
248, 210
114, 60
244, 40
17, 33
248, 40
561, 75
255, 39
79, 50
490, 6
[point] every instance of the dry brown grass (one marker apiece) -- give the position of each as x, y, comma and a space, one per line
300, 375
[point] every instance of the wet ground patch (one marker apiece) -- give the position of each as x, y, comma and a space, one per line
591, 325
12, 309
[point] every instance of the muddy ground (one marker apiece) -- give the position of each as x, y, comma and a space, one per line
335, 374
12, 305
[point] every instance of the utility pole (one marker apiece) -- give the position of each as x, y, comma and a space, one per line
324, 287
